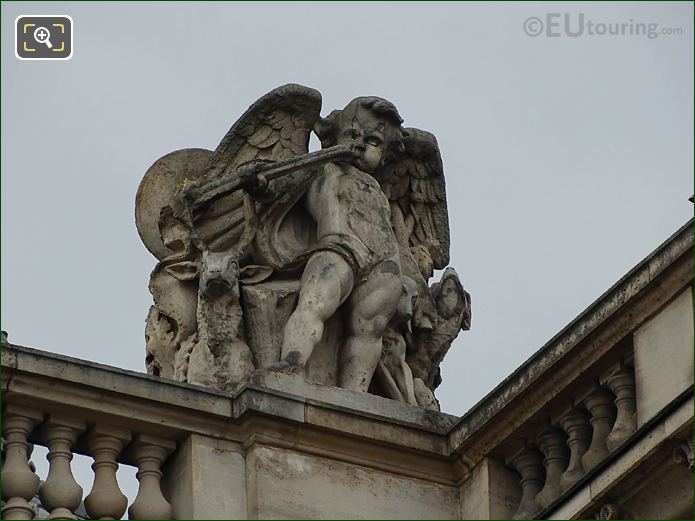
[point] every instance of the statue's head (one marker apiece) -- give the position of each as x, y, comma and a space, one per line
449, 294
371, 126
219, 274
408, 300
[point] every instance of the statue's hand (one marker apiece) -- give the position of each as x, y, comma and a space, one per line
251, 180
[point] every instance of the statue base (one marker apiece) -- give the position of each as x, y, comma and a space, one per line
297, 450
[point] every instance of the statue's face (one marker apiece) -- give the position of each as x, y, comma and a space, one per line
365, 136
448, 299
408, 300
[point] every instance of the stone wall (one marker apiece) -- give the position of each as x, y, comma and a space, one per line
664, 356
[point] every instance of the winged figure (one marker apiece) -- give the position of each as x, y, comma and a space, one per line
294, 261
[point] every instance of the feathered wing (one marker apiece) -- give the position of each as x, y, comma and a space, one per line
414, 185
276, 127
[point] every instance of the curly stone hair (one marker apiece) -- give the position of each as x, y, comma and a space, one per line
327, 129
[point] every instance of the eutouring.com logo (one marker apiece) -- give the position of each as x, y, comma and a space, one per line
576, 25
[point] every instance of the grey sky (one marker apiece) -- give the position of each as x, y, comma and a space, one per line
567, 159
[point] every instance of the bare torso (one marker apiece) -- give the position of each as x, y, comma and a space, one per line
351, 210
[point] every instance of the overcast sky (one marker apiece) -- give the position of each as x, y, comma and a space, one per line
568, 158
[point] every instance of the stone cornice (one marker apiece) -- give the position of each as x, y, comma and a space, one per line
283, 412
620, 310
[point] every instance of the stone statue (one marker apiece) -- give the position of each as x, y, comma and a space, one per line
453, 305
274, 258
394, 373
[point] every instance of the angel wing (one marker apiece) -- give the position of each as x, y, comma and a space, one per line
414, 185
275, 127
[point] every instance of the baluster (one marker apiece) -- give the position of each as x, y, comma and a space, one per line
600, 406
149, 453
553, 444
609, 511
19, 483
622, 384
60, 494
106, 501
576, 424
528, 462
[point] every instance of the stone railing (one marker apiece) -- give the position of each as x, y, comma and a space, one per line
201, 453
60, 494
558, 436
596, 422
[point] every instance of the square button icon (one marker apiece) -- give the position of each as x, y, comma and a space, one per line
43, 37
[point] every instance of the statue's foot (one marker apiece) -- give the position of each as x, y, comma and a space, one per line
290, 365
284, 367
280, 367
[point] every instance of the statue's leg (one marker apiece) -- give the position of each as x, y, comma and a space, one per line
326, 283
405, 383
372, 304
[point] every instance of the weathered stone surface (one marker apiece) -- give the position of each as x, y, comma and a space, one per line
643, 479
206, 479
528, 462
322, 244
453, 307
291, 485
600, 404
492, 491
553, 444
664, 356
403, 446
343, 398
170, 408
622, 384
267, 307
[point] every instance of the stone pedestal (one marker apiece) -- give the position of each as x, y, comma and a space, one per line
268, 306
291, 484
317, 453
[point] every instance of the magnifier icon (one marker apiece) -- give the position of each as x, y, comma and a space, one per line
43, 35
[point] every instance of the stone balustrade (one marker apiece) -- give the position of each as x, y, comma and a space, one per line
60, 494
575, 422
528, 462
206, 454
19, 483
622, 385
553, 443
560, 436
599, 420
